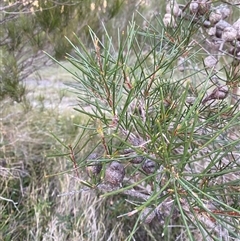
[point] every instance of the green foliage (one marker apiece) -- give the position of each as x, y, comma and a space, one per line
28, 27
137, 106
137, 100
9, 85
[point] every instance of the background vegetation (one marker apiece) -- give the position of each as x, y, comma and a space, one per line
34, 106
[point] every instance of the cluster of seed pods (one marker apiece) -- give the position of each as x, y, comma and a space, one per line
222, 37
115, 170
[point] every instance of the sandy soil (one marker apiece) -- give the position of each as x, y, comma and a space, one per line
49, 88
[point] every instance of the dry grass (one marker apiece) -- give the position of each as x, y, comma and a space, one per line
30, 208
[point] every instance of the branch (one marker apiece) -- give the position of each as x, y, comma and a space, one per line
10, 200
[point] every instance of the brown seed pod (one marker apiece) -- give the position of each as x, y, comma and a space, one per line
169, 20
128, 151
215, 17
204, 6
135, 160
149, 166
224, 11
236, 25
147, 215
210, 62
218, 33
193, 7
212, 31
215, 43
95, 167
114, 173
219, 93
190, 100
229, 34
160, 216
172, 7
222, 24
207, 24
179, 13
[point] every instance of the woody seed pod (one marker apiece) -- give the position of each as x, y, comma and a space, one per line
224, 11
204, 6
216, 43
172, 7
179, 12
236, 25
149, 166
222, 24
169, 20
218, 33
211, 31
135, 160
114, 173
207, 24
229, 34
215, 17
219, 93
193, 7
147, 215
94, 168
210, 61
190, 100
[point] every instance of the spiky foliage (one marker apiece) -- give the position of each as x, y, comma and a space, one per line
152, 109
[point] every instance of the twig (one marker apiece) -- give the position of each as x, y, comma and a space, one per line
72, 157
10, 200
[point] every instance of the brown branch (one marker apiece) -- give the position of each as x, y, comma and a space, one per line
72, 157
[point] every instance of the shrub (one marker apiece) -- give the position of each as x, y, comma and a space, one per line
163, 114
28, 27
